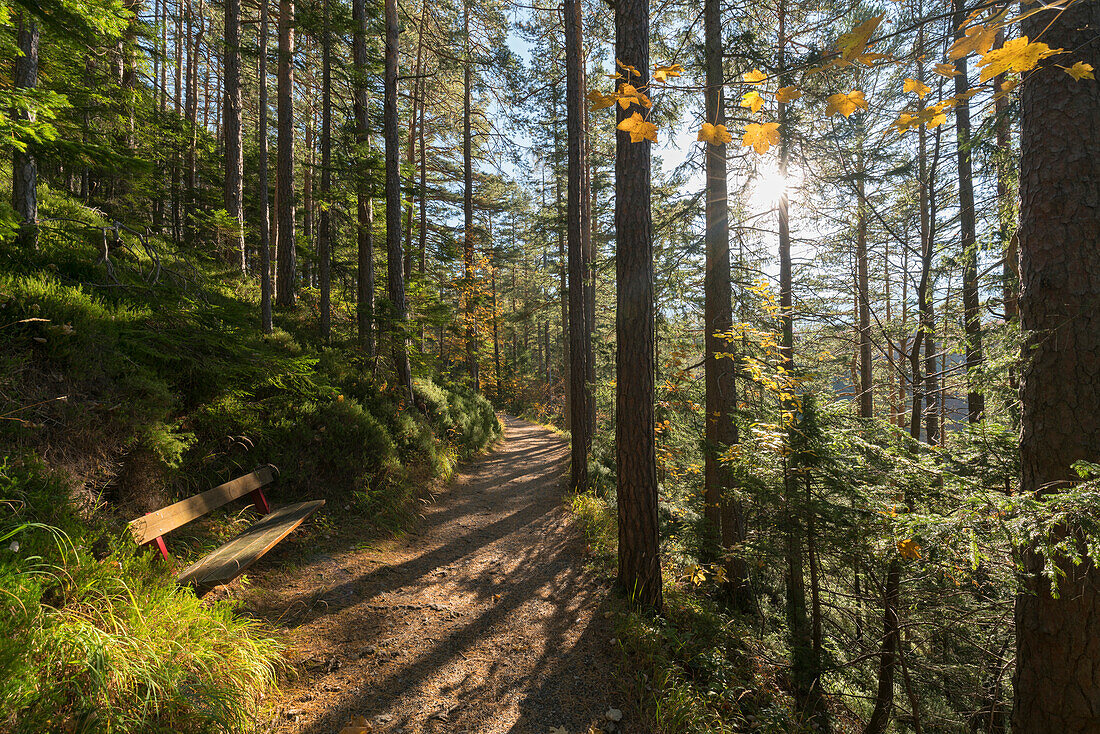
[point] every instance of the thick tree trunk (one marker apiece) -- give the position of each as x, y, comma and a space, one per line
364, 309
1057, 669
264, 214
578, 231
234, 150
639, 551
324, 241
398, 335
284, 174
975, 399
24, 187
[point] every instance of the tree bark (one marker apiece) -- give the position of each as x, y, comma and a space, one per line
723, 512
975, 399
264, 215
578, 231
1057, 670
418, 101
639, 550
866, 373
24, 163
231, 124
324, 241
364, 309
468, 209
399, 337
286, 251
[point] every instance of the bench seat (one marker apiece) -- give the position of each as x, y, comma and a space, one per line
231, 560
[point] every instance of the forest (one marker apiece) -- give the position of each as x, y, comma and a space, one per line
712, 366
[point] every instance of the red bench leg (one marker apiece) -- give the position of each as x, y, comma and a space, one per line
159, 543
258, 499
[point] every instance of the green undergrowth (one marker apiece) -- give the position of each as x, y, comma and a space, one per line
124, 390
96, 637
694, 668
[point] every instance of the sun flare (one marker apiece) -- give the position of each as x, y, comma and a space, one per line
768, 187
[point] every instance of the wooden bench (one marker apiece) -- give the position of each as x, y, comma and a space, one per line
230, 560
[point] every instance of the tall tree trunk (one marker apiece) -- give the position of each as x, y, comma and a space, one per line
399, 337
284, 173
418, 101
1006, 230
563, 275
975, 400
264, 215
194, 50
177, 157
423, 230
933, 384
234, 150
866, 373
805, 677
723, 512
639, 550
307, 181
24, 187
364, 310
1057, 671
468, 209
324, 242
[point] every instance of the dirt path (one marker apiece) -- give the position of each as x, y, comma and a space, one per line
482, 620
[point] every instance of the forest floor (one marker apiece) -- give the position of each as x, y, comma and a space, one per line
485, 617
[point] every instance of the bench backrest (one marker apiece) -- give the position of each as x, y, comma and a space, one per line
165, 520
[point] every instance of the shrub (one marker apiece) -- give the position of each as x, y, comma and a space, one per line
96, 638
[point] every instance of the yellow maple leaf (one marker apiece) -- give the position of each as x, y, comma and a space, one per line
978, 39
853, 43
761, 136
630, 70
933, 117
947, 70
628, 95
752, 100
1080, 71
869, 58
664, 73
601, 101
754, 77
845, 104
639, 128
1006, 88
1018, 55
787, 94
909, 548
914, 85
714, 134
